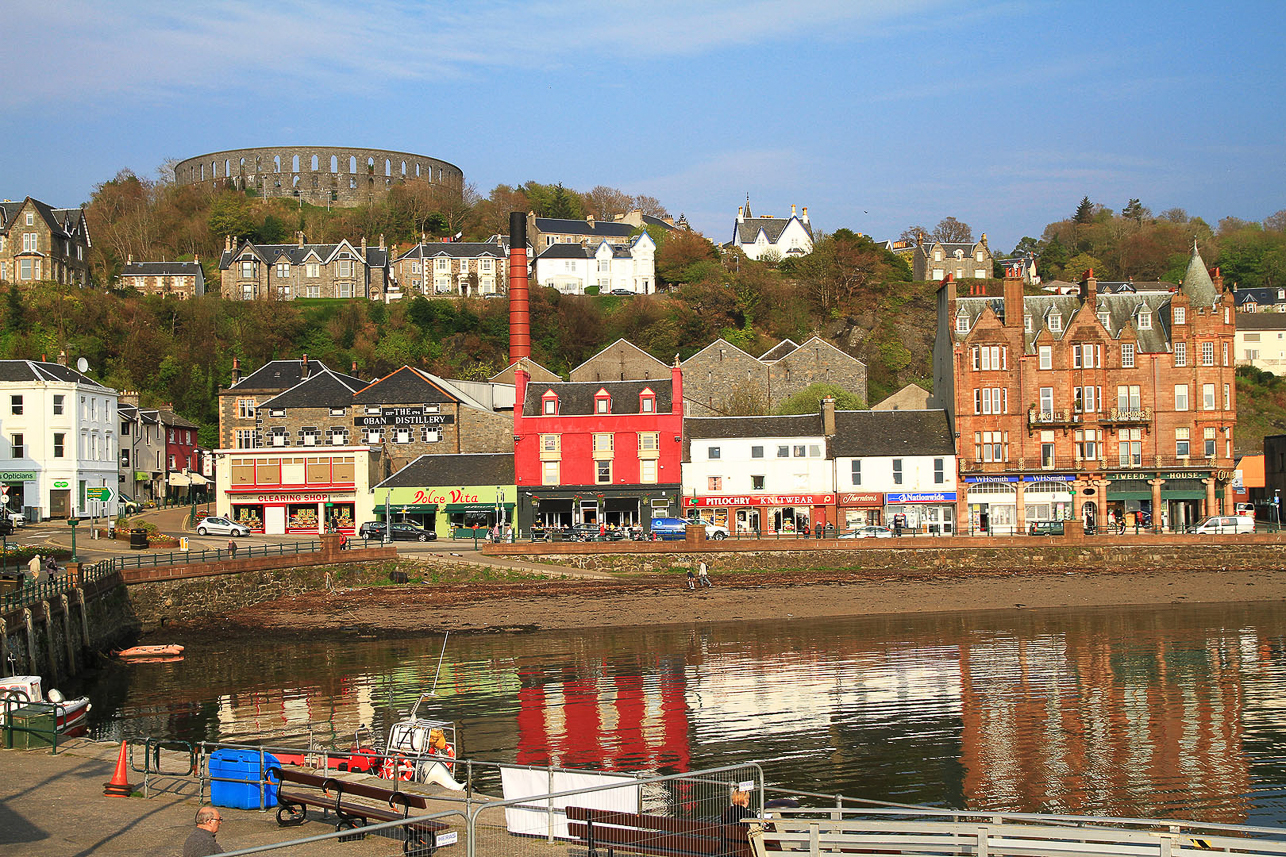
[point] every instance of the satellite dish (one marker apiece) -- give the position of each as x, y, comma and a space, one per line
82, 365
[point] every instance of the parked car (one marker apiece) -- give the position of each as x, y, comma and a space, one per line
16, 519
870, 531
622, 292
216, 526
129, 505
409, 533
371, 530
714, 531
1246, 509
1045, 528
6, 527
1224, 525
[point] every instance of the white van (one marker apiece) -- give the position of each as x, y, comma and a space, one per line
1224, 525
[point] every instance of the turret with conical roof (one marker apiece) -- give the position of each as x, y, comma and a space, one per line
1197, 284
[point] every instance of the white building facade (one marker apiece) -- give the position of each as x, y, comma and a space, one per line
58, 440
763, 475
896, 468
766, 235
572, 268
302, 490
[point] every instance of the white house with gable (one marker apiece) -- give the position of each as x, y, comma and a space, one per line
572, 268
783, 236
58, 440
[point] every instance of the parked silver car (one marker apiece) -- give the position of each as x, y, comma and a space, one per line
216, 526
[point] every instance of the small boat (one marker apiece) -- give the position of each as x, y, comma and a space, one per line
168, 652
417, 750
19, 691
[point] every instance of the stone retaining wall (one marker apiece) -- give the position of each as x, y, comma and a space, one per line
1143, 552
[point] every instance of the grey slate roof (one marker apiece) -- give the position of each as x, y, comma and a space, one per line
161, 269
270, 254
169, 418
284, 374
64, 222
1122, 309
454, 250
577, 397
465, 469
566, 251
1197, 284
1263, 296
748, 230
1261, 321
37, 370
325, 389
405, 386
600, 229
793, 425
884, 433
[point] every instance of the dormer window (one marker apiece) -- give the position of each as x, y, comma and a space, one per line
1180, 315
1145, 319
962, 323
647, 402
549, 404
1104, 318
602, 402
1027, 322
1055, 322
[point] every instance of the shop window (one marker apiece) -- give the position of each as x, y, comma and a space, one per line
344, 469
268, 472
243, 471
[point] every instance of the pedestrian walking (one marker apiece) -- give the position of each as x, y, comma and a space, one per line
232, 548
692, 580
703, 575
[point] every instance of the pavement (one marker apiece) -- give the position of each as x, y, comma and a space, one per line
54, 806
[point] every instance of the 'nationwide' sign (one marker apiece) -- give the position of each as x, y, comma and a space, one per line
931, 497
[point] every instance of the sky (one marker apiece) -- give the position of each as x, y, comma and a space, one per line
875, 115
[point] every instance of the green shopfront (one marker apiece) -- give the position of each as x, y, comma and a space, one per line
1173, 499
451, 512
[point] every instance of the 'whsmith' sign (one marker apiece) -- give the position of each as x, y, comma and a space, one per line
414, 415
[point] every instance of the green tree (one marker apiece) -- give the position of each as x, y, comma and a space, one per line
808, 400
1084, 211
1136, 211
232, 214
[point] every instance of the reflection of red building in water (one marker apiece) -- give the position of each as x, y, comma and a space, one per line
1081, 725
623, 722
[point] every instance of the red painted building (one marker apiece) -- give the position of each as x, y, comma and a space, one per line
597, 453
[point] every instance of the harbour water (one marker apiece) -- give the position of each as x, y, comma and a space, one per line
1159, 712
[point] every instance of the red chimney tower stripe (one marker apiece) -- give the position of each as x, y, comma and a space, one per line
519, 307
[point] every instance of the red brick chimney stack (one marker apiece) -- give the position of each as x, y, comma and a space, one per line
1013, 292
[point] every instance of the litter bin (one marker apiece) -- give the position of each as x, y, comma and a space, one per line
10, 582
138, 539
228, 766
33, 728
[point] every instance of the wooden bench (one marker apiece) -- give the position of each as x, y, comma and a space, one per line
333, 795
602, 829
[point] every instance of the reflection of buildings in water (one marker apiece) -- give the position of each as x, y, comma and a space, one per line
1092, 722
795, 693
631, 718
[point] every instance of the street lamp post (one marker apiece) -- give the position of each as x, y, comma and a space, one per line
388, 516
72, 522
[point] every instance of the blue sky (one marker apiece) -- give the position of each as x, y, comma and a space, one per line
875, 115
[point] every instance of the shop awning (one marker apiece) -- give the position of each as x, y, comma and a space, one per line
181, 480
477, 507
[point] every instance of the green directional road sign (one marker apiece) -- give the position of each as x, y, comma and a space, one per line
104, 494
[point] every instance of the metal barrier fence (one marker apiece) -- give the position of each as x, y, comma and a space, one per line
33, 593
922, 830
212, 555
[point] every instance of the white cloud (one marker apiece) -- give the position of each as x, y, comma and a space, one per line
150, 50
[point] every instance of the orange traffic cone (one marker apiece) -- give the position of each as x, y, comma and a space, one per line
119, 786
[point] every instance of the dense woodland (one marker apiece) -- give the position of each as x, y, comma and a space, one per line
848, 290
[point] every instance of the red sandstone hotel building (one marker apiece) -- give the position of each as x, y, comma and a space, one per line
1091, 406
